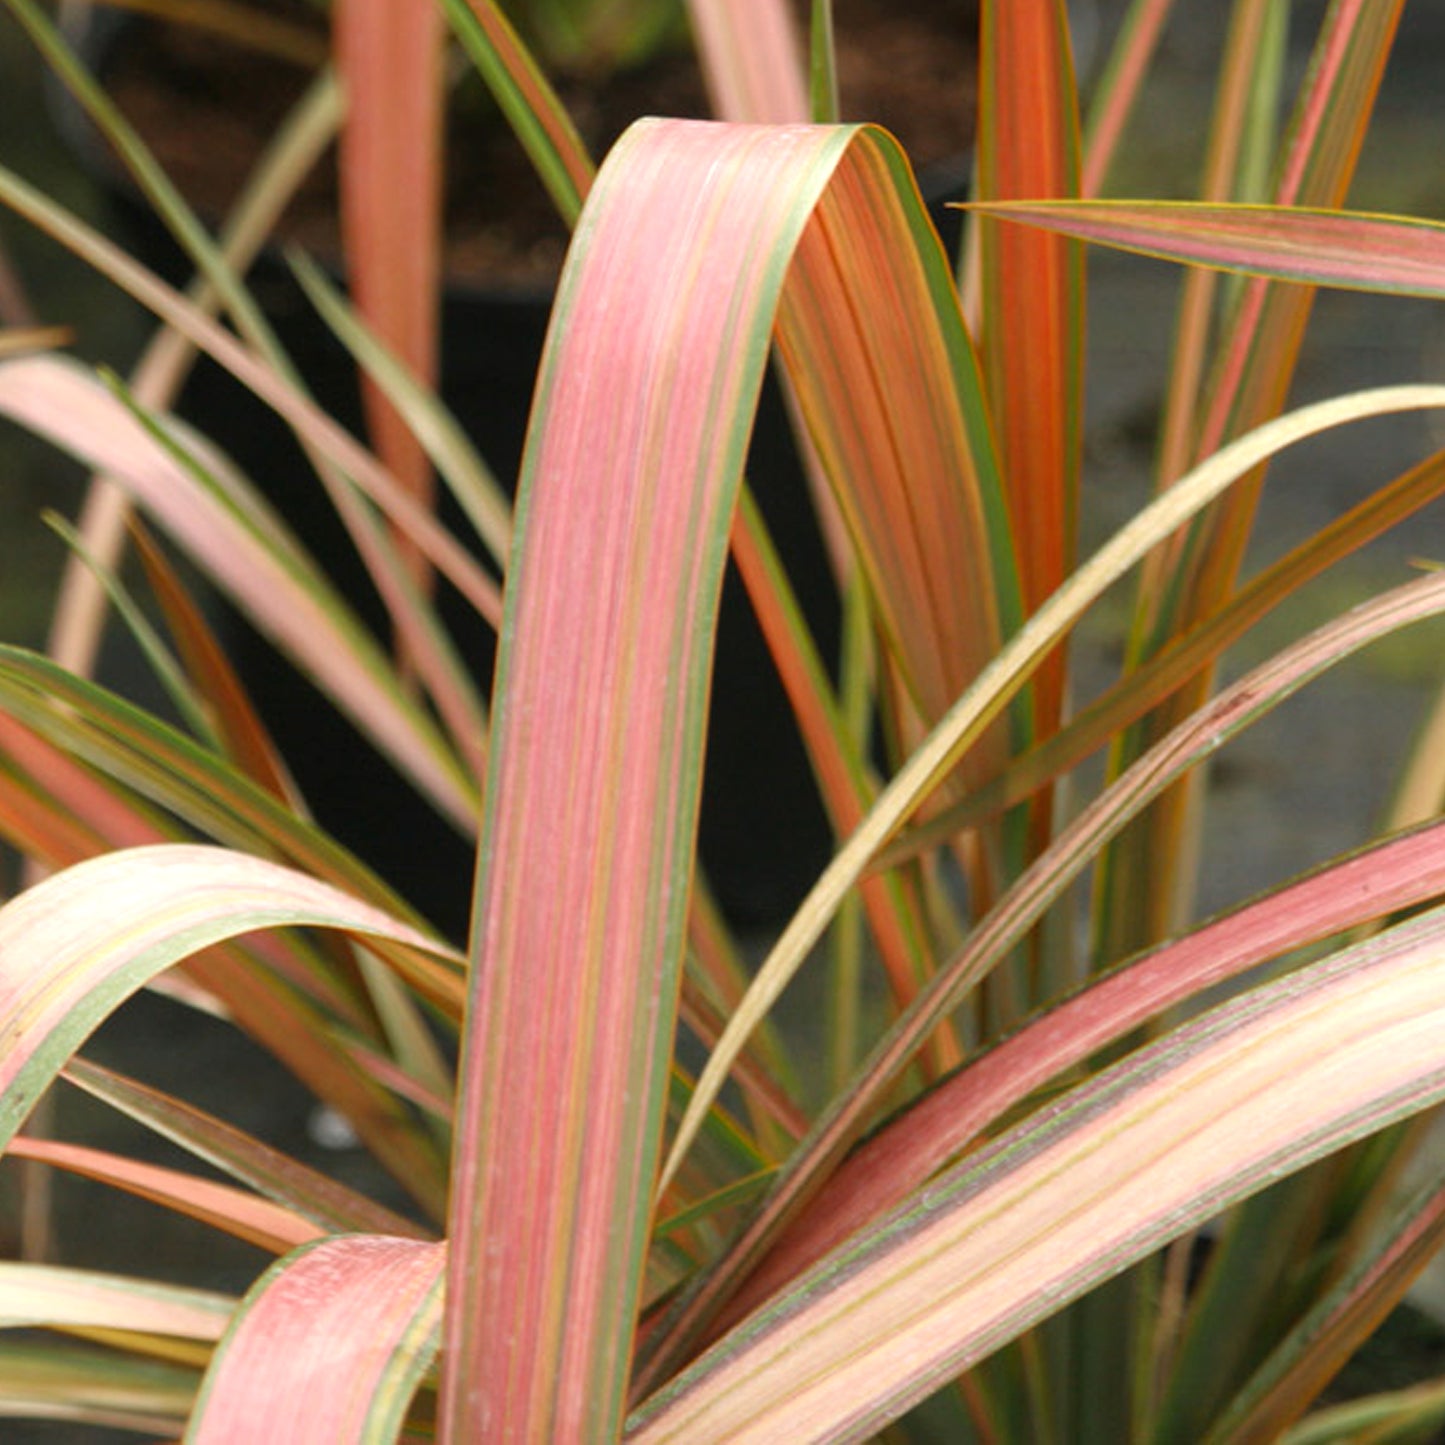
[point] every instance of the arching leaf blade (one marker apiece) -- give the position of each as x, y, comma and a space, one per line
330, 1343
79, 943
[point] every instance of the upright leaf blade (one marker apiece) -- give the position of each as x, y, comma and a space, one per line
389, 55
751, 60
531, 106
593, 789
632, 465
1032, 292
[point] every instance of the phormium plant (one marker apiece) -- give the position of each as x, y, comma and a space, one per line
986, 1200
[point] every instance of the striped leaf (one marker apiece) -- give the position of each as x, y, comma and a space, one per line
1031, 318
1152, 1146
1400, 255
627, 491
75, 946
330, 1344
389, 57
257, 1221
33, 1294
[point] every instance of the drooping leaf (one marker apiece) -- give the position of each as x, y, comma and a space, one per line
75, 946
901, 1156
153, 759
35, 1294
961, 727
66, 403
613, 683
1127, 700
299, 142
317, 431
257, 1221
1001, 930
269, 1172
1248, 381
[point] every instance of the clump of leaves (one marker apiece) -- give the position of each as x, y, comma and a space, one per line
993, 1208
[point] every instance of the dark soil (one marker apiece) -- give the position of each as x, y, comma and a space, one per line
207, 107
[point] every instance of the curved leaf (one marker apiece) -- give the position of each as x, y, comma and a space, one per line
242, 1214
315, 1197
965, 721
75, 946
902, 1155
632, 467
330, 1344
1001, 930
64, 402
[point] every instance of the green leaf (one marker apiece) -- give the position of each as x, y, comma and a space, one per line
277, 1176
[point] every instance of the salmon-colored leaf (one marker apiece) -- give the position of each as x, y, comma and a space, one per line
1355, 251
63, 401
962, 726
389, 57
330, 1344
989, 944
257, 1221
632, 466
751, 60
901, 1156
